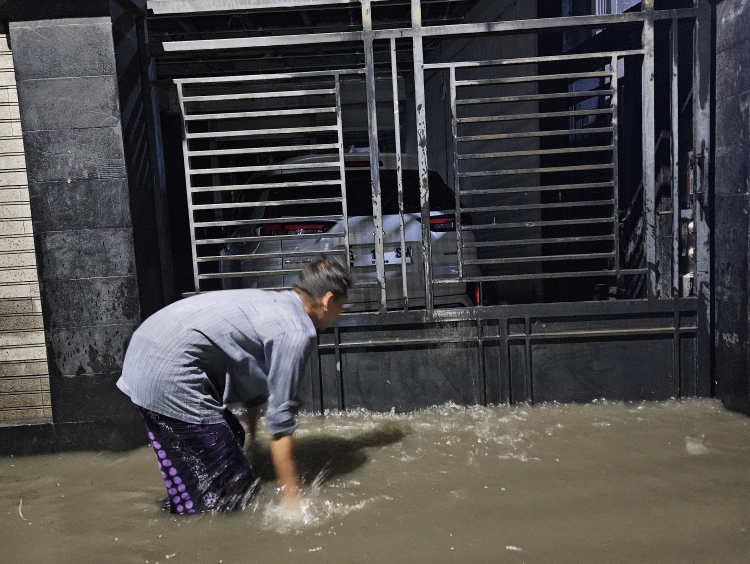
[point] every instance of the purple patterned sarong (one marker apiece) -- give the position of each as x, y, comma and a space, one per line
203, 466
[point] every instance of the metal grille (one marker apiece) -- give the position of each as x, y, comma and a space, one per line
535, 167
603, 7
543, 210
253, 146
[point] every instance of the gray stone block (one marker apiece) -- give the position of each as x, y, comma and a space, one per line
21, 401
88, 350
23, 369
122, 430
26, 439
732, 23
731, 251
33, 11
20, 385
79, 204
88, 398
731, 302
19, 306
69, 103
732, 175
22, 227
68, 255
73, 154
733, 70
733, 121
82, 48
21, 322
94, 301
16, 244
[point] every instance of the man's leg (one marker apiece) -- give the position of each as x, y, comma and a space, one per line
203, 466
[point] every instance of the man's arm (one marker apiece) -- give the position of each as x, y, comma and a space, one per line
288, 353
286, 470
250, 422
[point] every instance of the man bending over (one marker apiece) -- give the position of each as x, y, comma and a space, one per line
189, 361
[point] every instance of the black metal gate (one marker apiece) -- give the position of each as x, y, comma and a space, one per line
524, 222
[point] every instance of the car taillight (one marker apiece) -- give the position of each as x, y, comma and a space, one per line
441, 223
294, 228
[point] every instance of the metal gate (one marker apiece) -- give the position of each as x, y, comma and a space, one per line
586, 190
572, 185
238, 162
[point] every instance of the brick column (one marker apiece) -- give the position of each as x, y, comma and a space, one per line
67, 79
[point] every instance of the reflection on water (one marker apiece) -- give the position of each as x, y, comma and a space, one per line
603, 482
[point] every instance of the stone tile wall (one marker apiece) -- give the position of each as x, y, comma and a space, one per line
732, 204
24, 379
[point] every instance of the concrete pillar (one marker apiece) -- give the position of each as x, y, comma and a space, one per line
732, 204
88, 178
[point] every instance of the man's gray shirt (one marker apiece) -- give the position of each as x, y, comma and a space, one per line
195, 356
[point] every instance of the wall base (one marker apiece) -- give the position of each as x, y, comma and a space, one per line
46, 438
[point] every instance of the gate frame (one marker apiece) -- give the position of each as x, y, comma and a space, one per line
701, 13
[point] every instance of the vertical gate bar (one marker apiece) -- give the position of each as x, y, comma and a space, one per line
342, 166
424, 188
677, 368
216, 179
648, 148
702, 124
372, 124
480, 364
529, 375
504, 362
339, 370
454, 131
189, 186
615, 162
399, 172
317, 378
675, 146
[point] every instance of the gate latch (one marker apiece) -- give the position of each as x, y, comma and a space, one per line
697, 175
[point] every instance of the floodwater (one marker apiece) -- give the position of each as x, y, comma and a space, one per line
553, 484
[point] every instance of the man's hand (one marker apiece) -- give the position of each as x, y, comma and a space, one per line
286, 470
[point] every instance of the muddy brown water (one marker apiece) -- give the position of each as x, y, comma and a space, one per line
596, 483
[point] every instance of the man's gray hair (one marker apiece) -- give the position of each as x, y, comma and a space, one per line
326, 274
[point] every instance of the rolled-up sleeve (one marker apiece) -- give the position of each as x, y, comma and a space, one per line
288, 354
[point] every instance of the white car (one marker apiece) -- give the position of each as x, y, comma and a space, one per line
364, 295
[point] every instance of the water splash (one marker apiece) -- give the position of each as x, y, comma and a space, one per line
321, 477
312, 511
695, 446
